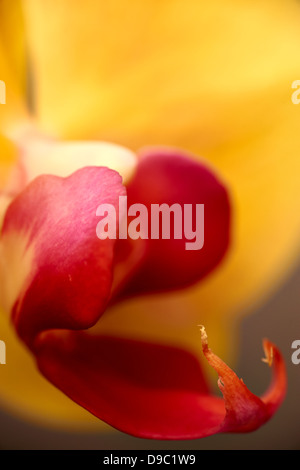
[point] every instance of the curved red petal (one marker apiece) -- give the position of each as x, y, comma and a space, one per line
56, 272
148, 390
170, 177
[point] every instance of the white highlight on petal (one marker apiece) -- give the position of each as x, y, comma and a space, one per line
41, 156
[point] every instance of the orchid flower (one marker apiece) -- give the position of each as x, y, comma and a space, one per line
58, 279
81, 310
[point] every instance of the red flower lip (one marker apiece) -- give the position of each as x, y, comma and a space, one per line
68, 278
153, 391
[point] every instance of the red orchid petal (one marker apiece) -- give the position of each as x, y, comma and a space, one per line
56, 272
148, 390
168, 177
143, 389
245, 411
274, 396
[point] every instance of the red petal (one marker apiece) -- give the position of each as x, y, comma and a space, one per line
49, 232
166, 176
245, 411
149, 390
146, 390
277, 390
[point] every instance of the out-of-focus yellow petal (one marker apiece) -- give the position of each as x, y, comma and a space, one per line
13, 66
8, 156
12, 39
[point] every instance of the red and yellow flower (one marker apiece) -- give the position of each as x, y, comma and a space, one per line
83, 309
